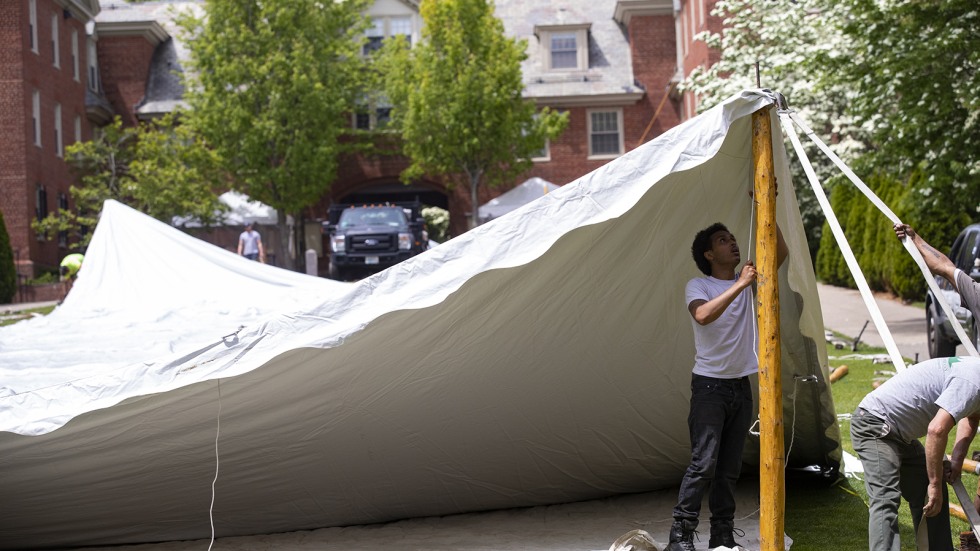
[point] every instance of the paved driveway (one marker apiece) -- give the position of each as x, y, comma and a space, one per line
844, 311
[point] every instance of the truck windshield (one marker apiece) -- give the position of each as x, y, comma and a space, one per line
392, 217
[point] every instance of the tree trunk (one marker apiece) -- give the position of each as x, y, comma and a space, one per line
474, 199
282, 254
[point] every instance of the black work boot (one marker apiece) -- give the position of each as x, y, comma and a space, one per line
723, 534
682, 535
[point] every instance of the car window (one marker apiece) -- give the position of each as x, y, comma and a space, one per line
967, 251
372, 217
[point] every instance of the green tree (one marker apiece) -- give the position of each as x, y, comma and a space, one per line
458, 102
176, 174
156, 168
914, 69
794, 46
270, 85
8, 272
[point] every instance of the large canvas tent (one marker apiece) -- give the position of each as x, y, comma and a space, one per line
541, 358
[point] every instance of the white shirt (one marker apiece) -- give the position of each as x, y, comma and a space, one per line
726, 347
250, 242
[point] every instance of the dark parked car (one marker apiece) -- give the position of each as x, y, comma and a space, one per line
365, 239
942, 339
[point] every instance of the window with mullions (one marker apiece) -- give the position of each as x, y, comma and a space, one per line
367, 118
40, 206
564, 51
55, 43
383, 27
605, 133
32, 24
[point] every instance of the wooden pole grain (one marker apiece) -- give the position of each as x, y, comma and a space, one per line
772, 488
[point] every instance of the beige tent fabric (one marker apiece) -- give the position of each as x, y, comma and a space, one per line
541, 358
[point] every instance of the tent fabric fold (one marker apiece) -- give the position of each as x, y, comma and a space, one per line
544, 357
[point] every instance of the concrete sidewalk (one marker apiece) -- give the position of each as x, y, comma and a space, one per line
844, 311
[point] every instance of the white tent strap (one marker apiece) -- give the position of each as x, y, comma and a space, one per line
909, 246
844, 168
845, 247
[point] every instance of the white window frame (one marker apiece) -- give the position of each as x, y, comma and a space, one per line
55, 42
40, 206
78, 129
32, 24
547, 153
74, 55
371, 110
383, 24
619, 128
36, 116
581, 32
93, 66
59, 145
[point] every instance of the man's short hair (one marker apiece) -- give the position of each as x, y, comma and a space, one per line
702, 244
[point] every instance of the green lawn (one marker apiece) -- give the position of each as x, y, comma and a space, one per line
18, 315
821, 516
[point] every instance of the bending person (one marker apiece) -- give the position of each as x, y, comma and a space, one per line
927, 399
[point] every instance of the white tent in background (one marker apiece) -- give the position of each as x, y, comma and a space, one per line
540, 359
520, 195
241, 209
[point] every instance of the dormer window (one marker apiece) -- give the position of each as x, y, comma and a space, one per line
564, 47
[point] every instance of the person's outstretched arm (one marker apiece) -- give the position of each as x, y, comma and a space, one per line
938, 263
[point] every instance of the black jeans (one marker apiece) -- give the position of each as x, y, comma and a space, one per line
719, 421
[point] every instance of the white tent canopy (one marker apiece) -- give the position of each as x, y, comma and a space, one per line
241, 210
520, 195
542, 358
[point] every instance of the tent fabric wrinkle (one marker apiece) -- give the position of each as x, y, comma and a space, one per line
541, 358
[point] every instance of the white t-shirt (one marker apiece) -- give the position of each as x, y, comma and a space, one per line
250, 242
726, 347
909, 400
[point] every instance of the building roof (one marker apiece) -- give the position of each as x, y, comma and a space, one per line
609, 77
156, 22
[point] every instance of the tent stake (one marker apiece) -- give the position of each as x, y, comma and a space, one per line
772, 489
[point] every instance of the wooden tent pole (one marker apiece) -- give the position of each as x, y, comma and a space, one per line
772, 488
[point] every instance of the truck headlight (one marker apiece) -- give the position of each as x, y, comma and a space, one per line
338, 243
404, 241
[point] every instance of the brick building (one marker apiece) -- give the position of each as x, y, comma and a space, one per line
613, 65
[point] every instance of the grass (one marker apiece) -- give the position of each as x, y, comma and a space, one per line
17, 315
821, 516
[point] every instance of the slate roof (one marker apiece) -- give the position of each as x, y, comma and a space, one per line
610, 71
610, 68
164, 88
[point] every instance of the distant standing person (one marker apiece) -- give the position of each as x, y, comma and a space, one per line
69, 271
250, 244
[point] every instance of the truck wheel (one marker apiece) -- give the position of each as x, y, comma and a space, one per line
938, 346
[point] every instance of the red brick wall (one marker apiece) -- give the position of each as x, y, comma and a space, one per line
24, 166
124, 63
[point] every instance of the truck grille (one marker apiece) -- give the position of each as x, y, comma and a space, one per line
373, 243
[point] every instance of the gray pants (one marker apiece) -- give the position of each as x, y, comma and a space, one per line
894, 469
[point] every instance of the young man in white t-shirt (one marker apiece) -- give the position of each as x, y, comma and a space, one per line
250, 244
721, 396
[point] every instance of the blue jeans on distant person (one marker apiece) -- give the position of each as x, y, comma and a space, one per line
893, 469
719, 421
251, 256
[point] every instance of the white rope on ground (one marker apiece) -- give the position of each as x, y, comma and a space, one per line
835, 228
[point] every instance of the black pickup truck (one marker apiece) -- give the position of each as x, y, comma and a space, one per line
367, 238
